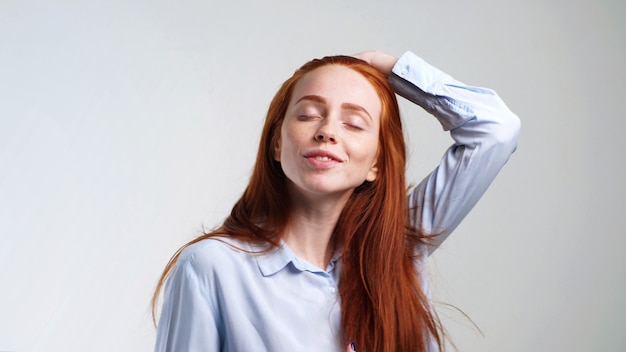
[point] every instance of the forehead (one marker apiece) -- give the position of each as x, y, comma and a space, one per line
338, 84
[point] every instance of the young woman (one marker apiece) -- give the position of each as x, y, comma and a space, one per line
325, 249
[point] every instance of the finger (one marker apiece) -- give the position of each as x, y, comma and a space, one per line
362, 55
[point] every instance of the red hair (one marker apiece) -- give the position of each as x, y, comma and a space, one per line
383, 306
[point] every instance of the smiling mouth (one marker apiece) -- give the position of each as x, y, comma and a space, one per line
323, 158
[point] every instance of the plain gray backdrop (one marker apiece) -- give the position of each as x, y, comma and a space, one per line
127, 126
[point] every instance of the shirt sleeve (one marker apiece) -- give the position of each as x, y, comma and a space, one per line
485, 134
188, 319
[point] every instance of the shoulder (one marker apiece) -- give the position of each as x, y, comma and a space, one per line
213, 255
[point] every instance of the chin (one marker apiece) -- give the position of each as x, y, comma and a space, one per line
329, 189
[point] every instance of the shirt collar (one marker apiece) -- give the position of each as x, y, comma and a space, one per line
278, 258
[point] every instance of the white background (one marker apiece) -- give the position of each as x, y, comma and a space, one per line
127, 126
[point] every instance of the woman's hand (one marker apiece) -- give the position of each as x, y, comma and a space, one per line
383, 62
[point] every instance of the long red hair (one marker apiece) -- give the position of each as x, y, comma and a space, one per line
383, 306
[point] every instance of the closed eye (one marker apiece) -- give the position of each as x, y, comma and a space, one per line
308, 117
352, 126
355, 122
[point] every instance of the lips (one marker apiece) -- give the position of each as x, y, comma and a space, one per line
322, 159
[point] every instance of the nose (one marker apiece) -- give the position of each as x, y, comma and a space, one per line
326, 133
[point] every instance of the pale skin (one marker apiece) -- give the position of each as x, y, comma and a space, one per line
381, 60
328, 147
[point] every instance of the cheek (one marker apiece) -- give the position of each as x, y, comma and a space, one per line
368, 149
293, 136
287, 145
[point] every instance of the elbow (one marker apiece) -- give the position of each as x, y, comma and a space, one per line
505, 134
514, 125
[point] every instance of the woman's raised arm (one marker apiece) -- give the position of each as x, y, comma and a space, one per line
484, 131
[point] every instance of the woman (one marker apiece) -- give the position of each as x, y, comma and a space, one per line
324, 249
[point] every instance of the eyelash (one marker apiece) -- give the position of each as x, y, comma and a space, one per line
307, 117
353, 126
346, 124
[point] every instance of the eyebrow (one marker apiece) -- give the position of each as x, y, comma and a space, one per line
347, 106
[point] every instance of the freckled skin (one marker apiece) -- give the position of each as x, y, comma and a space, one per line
333, 110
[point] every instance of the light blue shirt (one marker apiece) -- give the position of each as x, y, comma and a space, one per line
222, 297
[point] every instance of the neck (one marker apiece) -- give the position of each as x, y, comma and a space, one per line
310, 228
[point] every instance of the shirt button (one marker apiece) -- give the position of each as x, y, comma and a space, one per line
332, 289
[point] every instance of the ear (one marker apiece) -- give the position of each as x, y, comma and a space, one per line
371, 175
277, 150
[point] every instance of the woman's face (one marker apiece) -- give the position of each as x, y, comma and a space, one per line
329, 137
